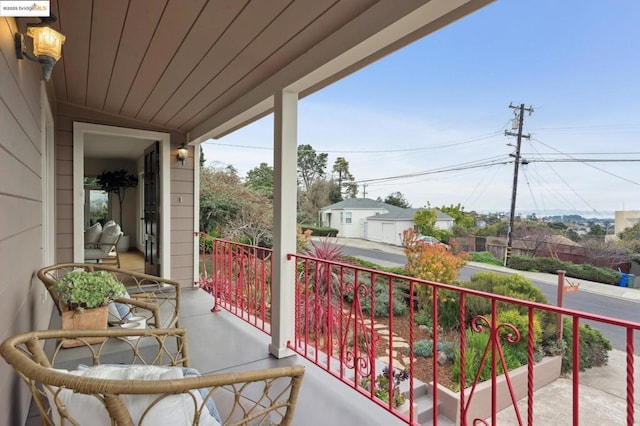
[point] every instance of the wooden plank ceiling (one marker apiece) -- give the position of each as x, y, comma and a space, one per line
178, 63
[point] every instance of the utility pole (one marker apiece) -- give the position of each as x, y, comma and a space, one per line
364, 190
519, 112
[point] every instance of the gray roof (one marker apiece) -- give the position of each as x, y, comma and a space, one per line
363, 204
407, 214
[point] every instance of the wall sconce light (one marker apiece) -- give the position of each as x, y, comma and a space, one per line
47, 45
182, 153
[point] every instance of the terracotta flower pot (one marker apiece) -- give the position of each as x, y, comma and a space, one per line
89, 319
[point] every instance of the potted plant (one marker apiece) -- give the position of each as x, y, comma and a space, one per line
116, 182
84, 296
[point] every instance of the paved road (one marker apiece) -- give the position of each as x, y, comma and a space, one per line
581, 301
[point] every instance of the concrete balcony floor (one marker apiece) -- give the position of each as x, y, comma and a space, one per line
221, 342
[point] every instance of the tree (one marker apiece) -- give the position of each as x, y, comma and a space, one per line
560, 226
230, 209
631, 237
117, 182
596, 230
260, 179
311, 166
321, 193
460, 217
397, 199
345, 178
425, 220
202, 159
254, 221
219, 199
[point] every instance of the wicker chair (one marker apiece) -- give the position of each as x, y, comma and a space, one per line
157, 299
245, 398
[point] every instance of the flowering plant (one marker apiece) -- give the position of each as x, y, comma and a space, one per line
389, 378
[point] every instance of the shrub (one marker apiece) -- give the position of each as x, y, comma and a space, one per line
423, 348
319, 231
381, 301
550, 265
449, 309
422, 319
521, 323
431, 263
449, 349
302, 239
594, 347
476, 345
485, 257
515, 286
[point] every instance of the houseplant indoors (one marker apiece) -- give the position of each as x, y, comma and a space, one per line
116, 182
84, 296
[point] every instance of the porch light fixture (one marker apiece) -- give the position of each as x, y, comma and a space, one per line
182, 153
47, 45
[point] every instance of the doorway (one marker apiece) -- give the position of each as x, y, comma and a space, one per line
116, 143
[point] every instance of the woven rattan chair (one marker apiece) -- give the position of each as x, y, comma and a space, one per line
155, 298
245, 398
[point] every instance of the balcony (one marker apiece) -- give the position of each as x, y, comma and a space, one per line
235, 337
337, 333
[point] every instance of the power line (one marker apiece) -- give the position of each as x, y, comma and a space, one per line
492, 161
584, 160
380, 151
587, 164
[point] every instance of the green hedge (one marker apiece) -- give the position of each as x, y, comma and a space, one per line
318, 231
485, 257
550, 265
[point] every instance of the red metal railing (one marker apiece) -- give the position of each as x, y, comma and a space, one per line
239, 278
342, 326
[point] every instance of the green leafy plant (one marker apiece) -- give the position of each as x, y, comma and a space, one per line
381, 301
117, 182
81, 290
485, 257
594, 347
382, 382
424, 348
476, 344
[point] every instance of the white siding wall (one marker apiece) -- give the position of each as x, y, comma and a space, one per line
389, 231
374, 230
355, 229
444, 224
22, 306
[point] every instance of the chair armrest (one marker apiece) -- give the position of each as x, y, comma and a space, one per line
152, 307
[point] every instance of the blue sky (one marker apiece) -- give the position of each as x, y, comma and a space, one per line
443, 102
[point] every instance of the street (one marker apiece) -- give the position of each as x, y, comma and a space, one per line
580, 301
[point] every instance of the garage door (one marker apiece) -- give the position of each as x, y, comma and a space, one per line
388, 232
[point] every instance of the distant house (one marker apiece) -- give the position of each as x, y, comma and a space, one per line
374, 220
388, 227
349, 216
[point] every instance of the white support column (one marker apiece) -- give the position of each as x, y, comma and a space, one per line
285, 165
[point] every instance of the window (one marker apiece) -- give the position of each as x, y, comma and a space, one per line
348, 217
96, 203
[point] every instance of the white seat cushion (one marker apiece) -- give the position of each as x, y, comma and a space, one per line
110, 234
172, 410
92, 234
